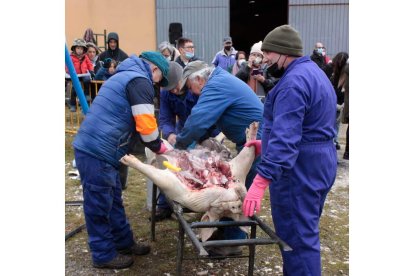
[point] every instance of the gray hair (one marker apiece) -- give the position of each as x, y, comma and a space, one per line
166, 45
203, 73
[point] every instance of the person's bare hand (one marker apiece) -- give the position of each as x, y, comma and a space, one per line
172, 139
259, 78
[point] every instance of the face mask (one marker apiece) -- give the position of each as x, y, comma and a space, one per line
227, 48
274, 69
189, 55
257, 60
241, 61
168, 58
320, 51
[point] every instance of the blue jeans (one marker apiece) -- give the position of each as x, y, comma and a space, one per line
106, 222
162, 202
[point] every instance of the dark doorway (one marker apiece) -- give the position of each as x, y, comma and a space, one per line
251, 21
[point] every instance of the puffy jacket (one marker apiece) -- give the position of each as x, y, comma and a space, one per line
82, 64
300, 109
227, 102
173, 106
109, 124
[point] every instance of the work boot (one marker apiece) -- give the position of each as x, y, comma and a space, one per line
161, 214
224, 251
119, 262
136, 249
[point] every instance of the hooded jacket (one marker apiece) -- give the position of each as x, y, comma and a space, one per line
82, 64
118, 55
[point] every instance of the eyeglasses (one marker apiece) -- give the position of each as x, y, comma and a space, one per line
189, 47
321, 47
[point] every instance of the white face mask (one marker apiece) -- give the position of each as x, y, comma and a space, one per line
258, 60
241, 61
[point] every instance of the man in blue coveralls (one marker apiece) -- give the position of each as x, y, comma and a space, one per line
231, 105
298, 157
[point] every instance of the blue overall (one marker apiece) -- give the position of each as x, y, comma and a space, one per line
229, 103
106, 222
101, 141
299, 156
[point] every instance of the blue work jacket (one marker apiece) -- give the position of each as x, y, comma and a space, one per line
227, 102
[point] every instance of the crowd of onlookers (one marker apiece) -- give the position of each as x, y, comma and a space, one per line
251, 68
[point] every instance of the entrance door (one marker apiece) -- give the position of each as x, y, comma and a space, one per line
251, 21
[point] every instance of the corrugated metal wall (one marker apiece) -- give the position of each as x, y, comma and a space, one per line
326, 21
205, 22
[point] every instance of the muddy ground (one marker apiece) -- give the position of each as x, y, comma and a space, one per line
334, 233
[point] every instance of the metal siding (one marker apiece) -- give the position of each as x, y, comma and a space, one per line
327, 23
205, 22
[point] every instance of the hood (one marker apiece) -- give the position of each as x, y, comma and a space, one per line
113, 36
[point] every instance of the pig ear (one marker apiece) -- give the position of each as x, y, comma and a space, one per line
205, 233
240, 217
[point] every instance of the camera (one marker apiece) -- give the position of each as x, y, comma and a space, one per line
257, 72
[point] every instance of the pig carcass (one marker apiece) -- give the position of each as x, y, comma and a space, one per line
208, 182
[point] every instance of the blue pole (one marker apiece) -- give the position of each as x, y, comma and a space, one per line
75, 81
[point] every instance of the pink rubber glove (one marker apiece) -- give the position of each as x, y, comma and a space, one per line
255, 195
163, 149
257, 146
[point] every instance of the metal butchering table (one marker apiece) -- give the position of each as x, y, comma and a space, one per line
186, 228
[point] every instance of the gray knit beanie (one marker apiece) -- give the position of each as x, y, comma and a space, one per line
283, 40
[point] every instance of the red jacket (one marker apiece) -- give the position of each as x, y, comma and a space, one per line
82, 65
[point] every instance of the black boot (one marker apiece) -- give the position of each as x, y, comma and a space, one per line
136, 249
119, 262
161, 214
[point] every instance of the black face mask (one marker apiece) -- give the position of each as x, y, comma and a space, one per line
227, 48
275, 71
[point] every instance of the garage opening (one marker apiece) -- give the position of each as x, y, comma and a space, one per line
251, 21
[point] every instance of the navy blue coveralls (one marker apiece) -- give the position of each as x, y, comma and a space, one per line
299, 157
101, 141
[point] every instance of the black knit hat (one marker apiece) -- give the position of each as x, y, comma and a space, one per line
283, 40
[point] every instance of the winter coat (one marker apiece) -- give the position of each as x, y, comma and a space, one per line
108, 127
227, 102
82, 64
225, 61
262, 89
344, 82
118, 55
181, 62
